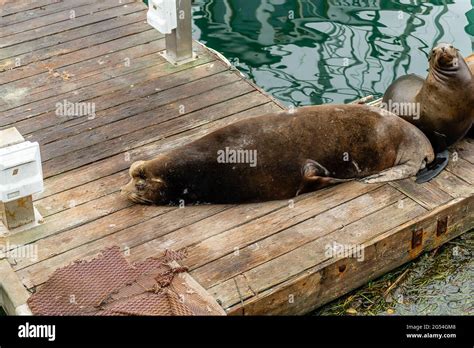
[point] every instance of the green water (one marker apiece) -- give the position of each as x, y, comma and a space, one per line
440, 282
313, 52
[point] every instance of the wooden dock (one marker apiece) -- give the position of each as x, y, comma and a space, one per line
268, 258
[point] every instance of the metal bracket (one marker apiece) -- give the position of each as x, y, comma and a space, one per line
417, 238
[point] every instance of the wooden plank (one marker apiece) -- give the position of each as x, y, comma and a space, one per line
28, 119
61, 21
13, 295
234, 219
141, 97
186, 236
105, 87
428, 195
225, 243
42, 49
100, 89
79, 195
132, 91
453, 185
88, 67
137, 234
325, 282
465, 149
95, 230
277, 271
463, 169
75, 56
13, 7
69, 219
67, 85
194, 287
130, 141
228, 266
60, 82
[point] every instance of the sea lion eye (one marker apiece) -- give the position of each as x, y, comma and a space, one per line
141, 174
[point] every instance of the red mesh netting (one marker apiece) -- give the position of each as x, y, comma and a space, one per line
109, 285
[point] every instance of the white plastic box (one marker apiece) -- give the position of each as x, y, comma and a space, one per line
162, 15
21, 174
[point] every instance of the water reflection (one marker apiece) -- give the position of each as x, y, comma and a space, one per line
312, 52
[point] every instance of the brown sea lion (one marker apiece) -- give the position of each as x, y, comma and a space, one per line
280, 155
442, 105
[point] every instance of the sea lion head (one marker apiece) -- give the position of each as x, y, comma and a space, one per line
444, 56
144, 187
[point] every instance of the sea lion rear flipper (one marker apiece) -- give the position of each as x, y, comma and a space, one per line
433, 169
316, 174
401, 171
438, 141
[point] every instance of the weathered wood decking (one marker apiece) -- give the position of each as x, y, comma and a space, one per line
255, 259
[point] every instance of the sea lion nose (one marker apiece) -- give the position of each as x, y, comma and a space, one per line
444, 49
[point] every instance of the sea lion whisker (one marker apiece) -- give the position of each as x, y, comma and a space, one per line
137, 198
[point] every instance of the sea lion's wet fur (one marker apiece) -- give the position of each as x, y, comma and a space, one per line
296, 152
446, 97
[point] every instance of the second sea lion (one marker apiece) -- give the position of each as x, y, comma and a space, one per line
442, 105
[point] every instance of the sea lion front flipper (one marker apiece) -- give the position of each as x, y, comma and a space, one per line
317, 175
433, 169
